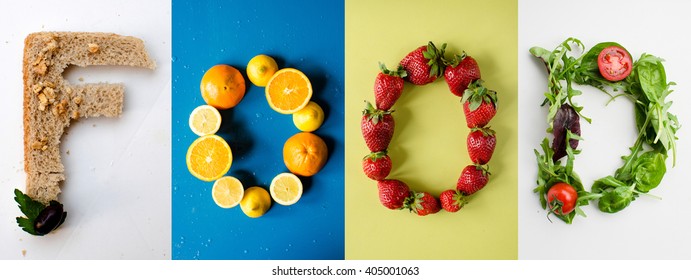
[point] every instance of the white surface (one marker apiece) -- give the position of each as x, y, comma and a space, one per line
117, 192
648, 228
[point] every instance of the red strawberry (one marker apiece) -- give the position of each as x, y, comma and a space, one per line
388, 87
479, 104
377, 165
460, 72
473, 178
481, 143
377, 128
452, 200
393, 193
424, 64
422, 204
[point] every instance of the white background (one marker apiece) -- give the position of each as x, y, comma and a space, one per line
117, 192
648, 228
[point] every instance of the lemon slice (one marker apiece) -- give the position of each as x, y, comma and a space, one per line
209, 158
205, 120
227, 192
286, 189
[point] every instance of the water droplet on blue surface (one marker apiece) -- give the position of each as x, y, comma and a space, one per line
173, 59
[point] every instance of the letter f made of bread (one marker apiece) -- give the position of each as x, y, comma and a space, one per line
51, 102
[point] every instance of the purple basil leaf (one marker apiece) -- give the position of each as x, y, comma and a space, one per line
565, 119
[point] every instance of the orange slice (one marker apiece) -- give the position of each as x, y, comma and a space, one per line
286, 189
227, 192
288, 91
205, 120
209, 158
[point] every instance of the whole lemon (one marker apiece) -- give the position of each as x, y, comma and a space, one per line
255, 202
310, 118
260, 69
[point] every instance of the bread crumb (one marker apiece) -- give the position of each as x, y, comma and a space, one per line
37, 88
81, 79
93, 48
42, 97
75, 115
50, 93
24, 253
52, 45
37, 145
61, 108
68, 152
41, 68
77, 100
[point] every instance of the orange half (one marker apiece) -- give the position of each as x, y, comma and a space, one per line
288, 91
209, 158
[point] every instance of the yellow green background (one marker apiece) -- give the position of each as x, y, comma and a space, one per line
429, 145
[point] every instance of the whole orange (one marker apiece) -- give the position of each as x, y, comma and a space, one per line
222, 86
305, 154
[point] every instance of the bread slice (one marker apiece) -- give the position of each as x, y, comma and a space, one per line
51, 102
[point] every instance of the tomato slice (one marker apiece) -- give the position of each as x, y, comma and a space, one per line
614, 63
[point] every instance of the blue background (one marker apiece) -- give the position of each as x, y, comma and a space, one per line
307, 35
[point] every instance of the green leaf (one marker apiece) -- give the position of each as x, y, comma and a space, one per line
27, 205
27, 225
616, 200
649, 170
651, 74
541, 53
30, 208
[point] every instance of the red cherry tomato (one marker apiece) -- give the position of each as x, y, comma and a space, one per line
562, 198
614, 63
